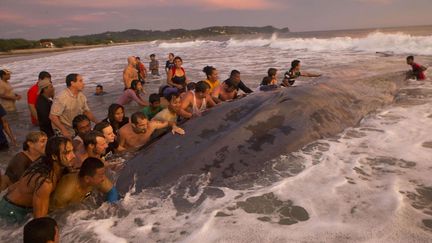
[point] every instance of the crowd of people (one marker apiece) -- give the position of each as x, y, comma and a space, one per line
67, 159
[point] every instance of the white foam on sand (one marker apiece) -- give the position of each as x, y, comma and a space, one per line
102, 229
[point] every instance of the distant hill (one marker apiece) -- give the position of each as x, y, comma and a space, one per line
138, 35
133, 35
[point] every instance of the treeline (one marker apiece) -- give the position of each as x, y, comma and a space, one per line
22, 44
150, 35
133, 35
14, 44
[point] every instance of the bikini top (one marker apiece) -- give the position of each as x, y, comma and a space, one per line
178, 79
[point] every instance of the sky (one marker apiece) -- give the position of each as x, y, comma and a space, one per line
36, 19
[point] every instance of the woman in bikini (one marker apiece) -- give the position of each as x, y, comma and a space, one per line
176, 78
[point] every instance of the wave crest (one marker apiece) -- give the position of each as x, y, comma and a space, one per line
397, 43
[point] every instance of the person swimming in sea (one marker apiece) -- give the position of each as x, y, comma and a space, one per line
417, 71
132, 93
99, 90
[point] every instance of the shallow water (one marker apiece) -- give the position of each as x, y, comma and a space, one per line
370, 183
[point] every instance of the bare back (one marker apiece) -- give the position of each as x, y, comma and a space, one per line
190, 101
23, 192
129, 74
131, 140
69, 191
223, 95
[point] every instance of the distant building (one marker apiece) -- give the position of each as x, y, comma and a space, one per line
47, 44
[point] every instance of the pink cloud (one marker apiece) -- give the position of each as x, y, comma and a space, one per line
102, 3
233, 4
13, 16
9, 16
206, 4
92, 17
376, 1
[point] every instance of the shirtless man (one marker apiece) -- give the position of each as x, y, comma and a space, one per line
196, 101
33, 149
94, 147
32, 192
73, 188
138, 132
224, 92
8, 97
130, 73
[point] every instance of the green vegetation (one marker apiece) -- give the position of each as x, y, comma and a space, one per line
133, 35
150, 35
13, 44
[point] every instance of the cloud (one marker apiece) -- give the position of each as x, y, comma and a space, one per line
384, 2
91, 17
203, 4
100, 3
233, 4
12, 17
8, 16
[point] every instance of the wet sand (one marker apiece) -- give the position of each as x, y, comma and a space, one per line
27, 54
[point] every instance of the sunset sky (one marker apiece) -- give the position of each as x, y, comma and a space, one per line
34, 19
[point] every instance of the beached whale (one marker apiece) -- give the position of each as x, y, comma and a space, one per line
238, 137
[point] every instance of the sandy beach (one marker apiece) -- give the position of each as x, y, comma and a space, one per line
26, 54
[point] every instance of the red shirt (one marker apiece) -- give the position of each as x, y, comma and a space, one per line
417, 70
142, 70
32, 95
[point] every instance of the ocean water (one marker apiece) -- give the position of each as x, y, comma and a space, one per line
370, 183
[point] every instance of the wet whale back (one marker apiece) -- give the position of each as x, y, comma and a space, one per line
238, 137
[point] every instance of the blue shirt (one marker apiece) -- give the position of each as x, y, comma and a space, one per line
3, 139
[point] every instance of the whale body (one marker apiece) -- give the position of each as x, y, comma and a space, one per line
238, 137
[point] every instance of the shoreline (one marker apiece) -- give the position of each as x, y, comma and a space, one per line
25, 54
